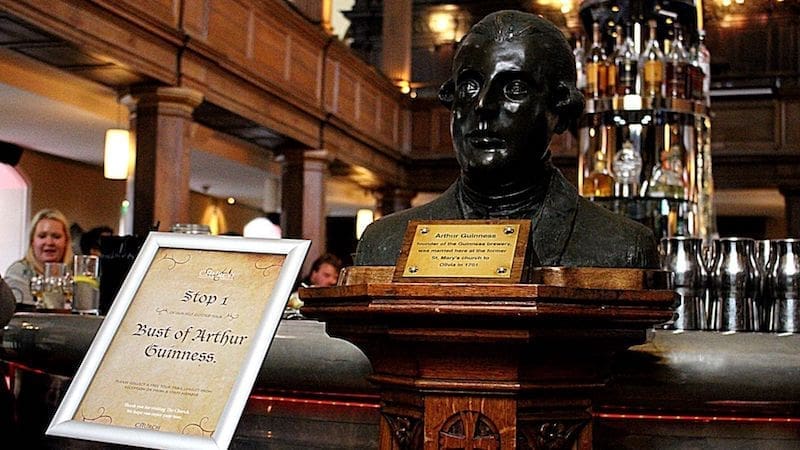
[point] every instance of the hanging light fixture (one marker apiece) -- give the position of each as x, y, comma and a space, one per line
117, 153
115, 161
364, 217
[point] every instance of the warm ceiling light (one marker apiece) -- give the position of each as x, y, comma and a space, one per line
117, 154
231, 200
442, 23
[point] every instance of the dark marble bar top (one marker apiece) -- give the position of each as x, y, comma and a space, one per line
674, 372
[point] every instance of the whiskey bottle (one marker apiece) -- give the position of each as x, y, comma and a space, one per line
626, 63
596, 66
676, 67
668, 179
652, 64
599, 183
700, 59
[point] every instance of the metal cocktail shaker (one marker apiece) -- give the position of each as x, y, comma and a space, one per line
734, 283
784, 284
683, 256
764, 299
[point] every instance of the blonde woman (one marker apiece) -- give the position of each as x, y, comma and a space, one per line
48, 241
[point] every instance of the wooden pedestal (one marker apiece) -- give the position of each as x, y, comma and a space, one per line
490, 366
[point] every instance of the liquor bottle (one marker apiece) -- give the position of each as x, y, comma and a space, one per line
676, 67
700, 58
596, 66
580, 57
627, 168
613, 74
626, 62
668, 179
599, 183
652, 64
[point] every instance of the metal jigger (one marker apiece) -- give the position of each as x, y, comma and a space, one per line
764, 299
784, 284
734, 281
682, 256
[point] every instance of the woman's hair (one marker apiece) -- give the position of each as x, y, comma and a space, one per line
52, 214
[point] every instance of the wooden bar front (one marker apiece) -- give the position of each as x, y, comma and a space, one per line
491, 366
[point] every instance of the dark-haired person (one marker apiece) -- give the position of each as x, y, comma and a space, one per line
512, 88
324, 272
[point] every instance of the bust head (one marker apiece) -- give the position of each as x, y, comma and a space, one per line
512, 87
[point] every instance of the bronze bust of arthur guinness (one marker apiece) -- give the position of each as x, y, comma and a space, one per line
512, 88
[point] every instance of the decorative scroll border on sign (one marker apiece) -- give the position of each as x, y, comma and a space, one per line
453, 251
176, 357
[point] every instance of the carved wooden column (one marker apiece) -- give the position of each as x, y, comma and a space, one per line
792, 198
303, 209
161, 120
396, 41
391, 199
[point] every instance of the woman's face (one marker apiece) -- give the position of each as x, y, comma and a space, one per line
49, 241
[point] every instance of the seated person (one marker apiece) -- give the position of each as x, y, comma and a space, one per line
48, 241
512, 88
90, 240
324, 272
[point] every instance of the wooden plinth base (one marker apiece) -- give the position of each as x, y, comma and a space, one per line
484, 366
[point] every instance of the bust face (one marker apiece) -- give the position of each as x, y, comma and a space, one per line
501, 124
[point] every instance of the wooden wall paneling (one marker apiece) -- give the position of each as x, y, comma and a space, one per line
342, 90
264, 42
368, 109
386, 123
304, 67
431, 131
146, 47
196, 18
165, 12
761, 130
790, 132
251, 101
230, 28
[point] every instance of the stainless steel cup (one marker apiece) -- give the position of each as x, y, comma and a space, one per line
784, 285
734, 282
683, 256
764, 300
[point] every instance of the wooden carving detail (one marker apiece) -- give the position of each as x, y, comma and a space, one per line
407, 431
469, 430
559, 435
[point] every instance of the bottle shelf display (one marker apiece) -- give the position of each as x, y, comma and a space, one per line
644, 137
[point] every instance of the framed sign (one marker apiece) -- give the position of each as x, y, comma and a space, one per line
175, 359
488, 251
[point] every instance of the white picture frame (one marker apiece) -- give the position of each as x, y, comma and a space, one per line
137, 365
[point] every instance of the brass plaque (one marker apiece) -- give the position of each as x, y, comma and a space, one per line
463, 250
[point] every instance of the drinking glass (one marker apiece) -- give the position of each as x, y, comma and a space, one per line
56, 276
86, 269
37, 290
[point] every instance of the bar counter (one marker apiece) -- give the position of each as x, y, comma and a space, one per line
691, 389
